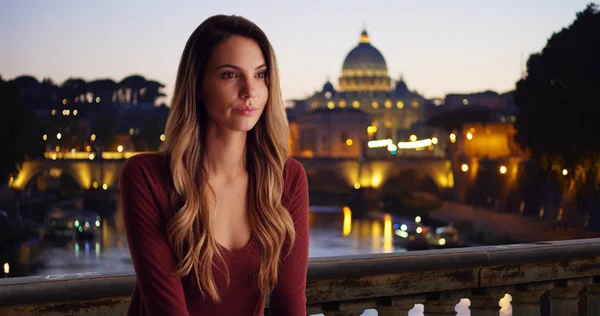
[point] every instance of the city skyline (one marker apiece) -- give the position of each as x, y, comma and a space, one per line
437, 49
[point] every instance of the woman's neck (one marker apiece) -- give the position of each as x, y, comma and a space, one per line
226, 151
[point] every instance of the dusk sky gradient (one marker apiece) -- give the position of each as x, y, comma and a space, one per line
439, 46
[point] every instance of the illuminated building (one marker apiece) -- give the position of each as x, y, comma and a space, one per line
364, 86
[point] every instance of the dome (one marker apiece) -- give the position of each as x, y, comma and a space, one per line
328, 87
401, 89
364, 69
364, 56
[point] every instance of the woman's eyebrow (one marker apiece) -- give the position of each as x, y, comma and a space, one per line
238, 68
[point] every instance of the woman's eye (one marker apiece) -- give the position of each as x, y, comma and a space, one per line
228, 75
262, 75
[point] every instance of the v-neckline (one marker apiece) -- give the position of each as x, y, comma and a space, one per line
235, 252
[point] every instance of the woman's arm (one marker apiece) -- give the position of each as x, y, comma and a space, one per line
289, 297
155, 266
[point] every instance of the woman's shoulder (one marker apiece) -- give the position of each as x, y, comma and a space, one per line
154, 164
294, 176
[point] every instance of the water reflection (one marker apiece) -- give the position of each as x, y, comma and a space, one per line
333, 232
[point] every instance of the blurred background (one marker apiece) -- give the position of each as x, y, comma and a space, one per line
420, 125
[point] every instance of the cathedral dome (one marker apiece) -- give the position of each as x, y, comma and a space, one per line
364, 68
364, 56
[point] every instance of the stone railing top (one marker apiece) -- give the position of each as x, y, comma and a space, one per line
560, 254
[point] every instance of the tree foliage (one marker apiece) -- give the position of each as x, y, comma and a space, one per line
20, 132
559, 104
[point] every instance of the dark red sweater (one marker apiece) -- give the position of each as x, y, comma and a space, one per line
144, 183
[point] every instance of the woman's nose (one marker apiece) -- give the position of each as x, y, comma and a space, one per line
248, 90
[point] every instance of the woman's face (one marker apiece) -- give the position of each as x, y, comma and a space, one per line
234, 89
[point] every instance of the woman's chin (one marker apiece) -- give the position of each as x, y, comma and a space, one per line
242, 126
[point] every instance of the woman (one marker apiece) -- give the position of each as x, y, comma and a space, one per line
219, 218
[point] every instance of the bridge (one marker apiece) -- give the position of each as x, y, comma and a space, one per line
423, 174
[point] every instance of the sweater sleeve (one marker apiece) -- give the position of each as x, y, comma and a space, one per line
161, 290
288, 296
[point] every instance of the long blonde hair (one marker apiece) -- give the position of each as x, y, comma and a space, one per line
189, 231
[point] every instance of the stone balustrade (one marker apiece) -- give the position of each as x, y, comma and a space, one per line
564, 274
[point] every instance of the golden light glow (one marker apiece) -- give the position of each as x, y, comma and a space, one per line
388, 104
376, 236
58, 136
469, 136
64, 101
105, 187
357, 185
88, 148
375, 105
419, 230
434, 140
93, 137
91, 156
464, 167
364, 37
465, 101
452, 138
330, 105
415, 104
45, 137
120, 148
97, 99
400, 104
472, 130
418, 219
356, 104
342, 103
349, 142
376, 180
6, 268
57, 148
565, 172
413, 138
503, 169
162, 137
75, 112
95, 184
53, 112
131, 131
116, 155
387, 234
372, 130
347, 221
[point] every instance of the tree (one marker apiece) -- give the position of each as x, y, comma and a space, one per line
20, 133
74, 88
104, 89
558, 105
151, 91
131, 87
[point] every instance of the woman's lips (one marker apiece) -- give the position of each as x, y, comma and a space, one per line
245, 111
